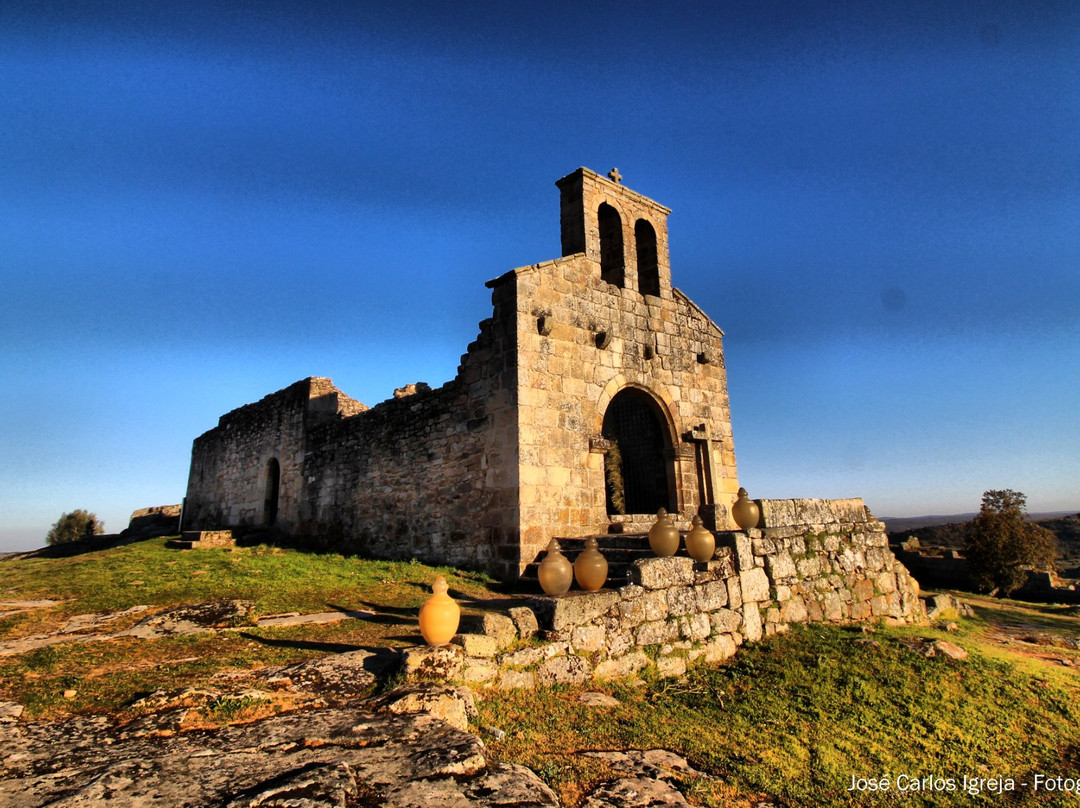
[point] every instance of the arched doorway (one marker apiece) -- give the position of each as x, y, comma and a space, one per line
636, 465
273, 488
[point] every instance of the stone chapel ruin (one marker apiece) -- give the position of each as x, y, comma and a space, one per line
595, 394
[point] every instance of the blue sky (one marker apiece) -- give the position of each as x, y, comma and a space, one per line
201, 203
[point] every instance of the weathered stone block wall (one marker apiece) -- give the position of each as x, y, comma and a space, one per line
430, 475
823, 560
813, 561
159, 520
227, 481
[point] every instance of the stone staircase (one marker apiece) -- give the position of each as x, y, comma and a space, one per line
620, 549
202, 539
225, 538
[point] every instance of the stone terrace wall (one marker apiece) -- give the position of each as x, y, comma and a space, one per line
812, 561
825, 560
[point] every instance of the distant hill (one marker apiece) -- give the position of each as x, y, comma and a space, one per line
948, 532
899, 524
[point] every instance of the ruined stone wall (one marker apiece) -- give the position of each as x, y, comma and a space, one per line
812, 561
818, 559
430, 476
581, 341
227, 481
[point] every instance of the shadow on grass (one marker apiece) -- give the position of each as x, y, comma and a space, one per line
305, 645
374, 615
379, 661
90, 544
492, 604
381, 614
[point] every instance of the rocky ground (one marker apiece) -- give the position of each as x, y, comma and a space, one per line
310, 734
303, 736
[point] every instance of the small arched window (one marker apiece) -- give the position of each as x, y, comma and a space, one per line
648, 266
612, 265
273, 488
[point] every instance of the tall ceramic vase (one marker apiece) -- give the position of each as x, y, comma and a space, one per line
663, 535
439, 616
745, 511
700, 543
590, 568
555, 572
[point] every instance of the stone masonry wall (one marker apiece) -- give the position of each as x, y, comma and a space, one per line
430, 476
581, 341
823, 560
812, 561
227, 482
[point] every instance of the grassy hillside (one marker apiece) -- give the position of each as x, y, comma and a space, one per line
108, 675
789, 721
792, 719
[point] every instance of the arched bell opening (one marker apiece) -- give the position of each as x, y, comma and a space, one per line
612, 262
648, 265
639, 464
272, 490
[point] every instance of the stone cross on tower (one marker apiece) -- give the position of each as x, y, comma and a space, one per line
614, 175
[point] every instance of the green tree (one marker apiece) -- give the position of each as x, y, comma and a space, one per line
74, 526
1000, 543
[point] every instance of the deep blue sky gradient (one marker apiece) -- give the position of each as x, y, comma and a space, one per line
201, 203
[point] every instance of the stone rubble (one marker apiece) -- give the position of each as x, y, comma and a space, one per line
646, 781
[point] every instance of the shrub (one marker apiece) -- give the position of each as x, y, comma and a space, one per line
74, 526
614, 476
1000, 543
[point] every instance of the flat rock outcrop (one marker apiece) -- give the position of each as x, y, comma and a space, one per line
335, 756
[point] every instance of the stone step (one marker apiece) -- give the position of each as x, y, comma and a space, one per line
620, 549
202, 539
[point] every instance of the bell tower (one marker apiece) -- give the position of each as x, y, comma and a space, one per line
624, 232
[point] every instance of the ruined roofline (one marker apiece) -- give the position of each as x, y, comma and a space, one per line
513, 273
622, 189
679, 293
307, 389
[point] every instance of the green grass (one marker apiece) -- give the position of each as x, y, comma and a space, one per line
796, 716
108, 675
276, 579
229, 708
788, 721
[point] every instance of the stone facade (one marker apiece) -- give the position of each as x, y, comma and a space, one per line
595, 394
823, 561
